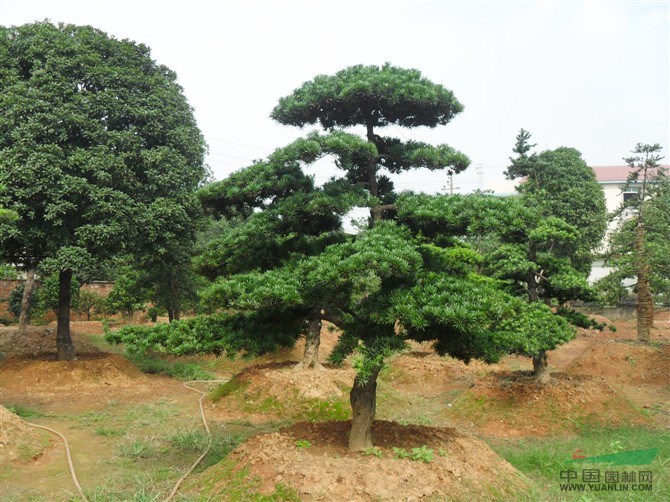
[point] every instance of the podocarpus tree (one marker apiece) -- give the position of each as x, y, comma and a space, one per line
98, 148
639, 249
381, 287
375, 97
566, 225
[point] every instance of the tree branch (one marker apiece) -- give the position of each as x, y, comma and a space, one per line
330, 316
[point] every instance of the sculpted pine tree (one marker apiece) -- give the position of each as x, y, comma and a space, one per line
99, 151
559, 189
384, 286
640, 247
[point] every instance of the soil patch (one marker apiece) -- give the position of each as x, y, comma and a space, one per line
426, 374
313, 459
93, 371
283, 382
625, 361
512, 405
40, 341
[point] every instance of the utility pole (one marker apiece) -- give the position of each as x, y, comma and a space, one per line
451, 184
480, 176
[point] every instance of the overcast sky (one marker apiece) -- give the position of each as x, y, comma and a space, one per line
590, 75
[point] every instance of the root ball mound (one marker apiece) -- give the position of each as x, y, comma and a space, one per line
47, 377
313, 460
625, 361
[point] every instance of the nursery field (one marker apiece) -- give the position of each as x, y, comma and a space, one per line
443, 429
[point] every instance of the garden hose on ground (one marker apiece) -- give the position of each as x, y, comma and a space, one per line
174, 491
203, 395
69, 458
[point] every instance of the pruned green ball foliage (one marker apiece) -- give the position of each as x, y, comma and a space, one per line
382, 279
388, 94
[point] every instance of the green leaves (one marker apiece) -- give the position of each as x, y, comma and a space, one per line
95, 139
218, 334
368, 94
559, 183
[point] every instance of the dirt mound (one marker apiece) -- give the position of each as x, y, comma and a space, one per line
512, 405
312, 459
282, 381
627, 329
425, 373
18, 440
40, 342
286, 382
46, 377
625, 361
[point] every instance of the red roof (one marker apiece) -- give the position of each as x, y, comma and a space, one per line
612, 174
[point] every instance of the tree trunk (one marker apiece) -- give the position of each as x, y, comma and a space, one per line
175, 310
363, 399
64, 345
310, 358
375, 216
28, 288
540, 367
170, 313
645, 300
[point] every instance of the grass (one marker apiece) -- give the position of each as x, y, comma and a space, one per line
196, 440
318, 410
135, 488
136, 449
296, 408
25, 411
543, 460
91, 417
108, 432
226, 482
408, 408
232, 386
177, 369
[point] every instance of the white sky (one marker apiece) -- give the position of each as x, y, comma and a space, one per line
590, 75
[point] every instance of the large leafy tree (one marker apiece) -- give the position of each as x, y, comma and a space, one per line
100, 152
375, 97
559, 183
639, 249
